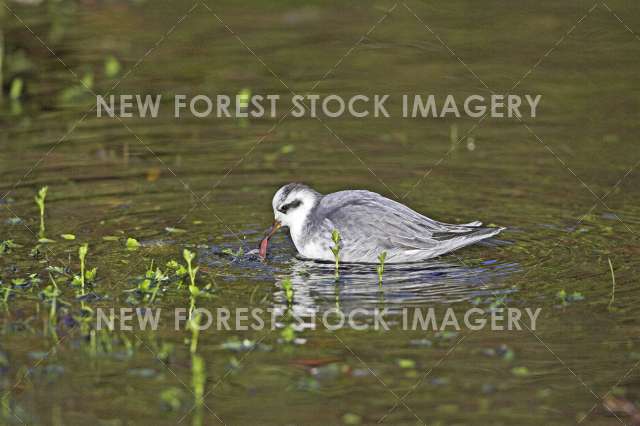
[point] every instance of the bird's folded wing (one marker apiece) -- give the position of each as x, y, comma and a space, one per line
367, 220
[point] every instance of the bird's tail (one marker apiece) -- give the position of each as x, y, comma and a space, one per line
462, 236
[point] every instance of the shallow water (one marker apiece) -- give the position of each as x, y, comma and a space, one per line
563, 184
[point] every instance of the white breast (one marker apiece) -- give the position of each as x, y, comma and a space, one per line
310, 246
315, 249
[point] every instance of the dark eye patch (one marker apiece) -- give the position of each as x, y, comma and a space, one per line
291, 205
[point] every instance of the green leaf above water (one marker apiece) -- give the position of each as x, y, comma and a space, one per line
566, 298
111, 67
520, 371
132, 244
406, 363
17, 86
351, 419
7, 245
244, 96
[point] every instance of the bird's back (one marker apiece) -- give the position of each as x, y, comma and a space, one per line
370, 224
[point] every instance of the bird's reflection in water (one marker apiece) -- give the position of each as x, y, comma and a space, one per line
434, 282
415, 284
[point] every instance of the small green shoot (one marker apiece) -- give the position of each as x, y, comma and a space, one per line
194, 326
566, 298
149, 285
179, 270
188, 257
7, 246
51, 293
194, 290
82, 254
406, 363
68, 237
5, 403
335, 237
6, 292
351, 419
16, 88
288, 290
520, 371
381, 258
235, 254
172, 398
198, 380
40, 198
288, 334
613, 283
111, 67
244, 96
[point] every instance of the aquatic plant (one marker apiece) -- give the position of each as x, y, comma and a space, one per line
198, 380
244, 97
566, 298
111, 67
7, 246
178, 269
51, 293
132, 244
188, 257
380, 268
15, 90
406, 363
234, 254
40, 199
288, 290
194, 291
351, 419
171, 398
5, 403
613, 283
194, 326
149, 285
158, 278
335, 237
520, 371
6, 291
93, 343
288, 334
82, 254
80, 90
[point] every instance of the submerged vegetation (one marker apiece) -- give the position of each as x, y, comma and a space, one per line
40, 199
82, 254
335, 237
613, 284
288, 290
380, 268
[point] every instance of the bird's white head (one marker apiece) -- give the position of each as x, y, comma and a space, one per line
292, 205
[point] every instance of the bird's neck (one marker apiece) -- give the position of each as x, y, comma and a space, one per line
300, 228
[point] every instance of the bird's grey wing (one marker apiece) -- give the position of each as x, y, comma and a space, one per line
370, 223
